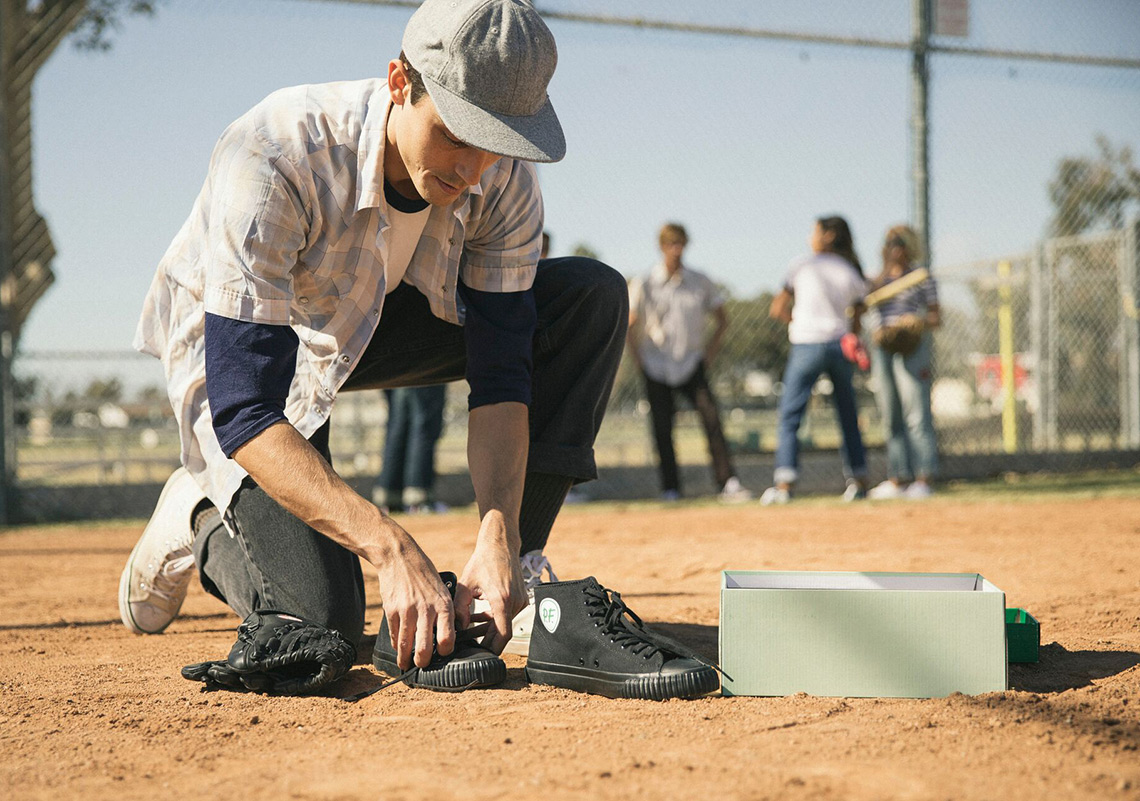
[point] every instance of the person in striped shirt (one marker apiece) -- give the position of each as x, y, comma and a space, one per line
904, 380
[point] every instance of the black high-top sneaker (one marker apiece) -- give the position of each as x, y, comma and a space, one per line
469, 666
585, 638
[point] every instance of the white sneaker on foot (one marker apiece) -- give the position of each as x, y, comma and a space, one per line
886, 491
775, 495
734, 492
918, 491
533, 564
158, 572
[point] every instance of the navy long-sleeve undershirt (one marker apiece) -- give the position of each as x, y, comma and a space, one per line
249, 366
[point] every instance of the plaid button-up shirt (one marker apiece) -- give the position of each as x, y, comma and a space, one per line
292, 228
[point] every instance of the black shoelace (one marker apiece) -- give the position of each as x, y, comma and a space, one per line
626, 629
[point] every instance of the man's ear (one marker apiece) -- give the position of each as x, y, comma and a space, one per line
398, 83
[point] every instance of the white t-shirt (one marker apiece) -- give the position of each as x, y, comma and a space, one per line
403, 238
824, 286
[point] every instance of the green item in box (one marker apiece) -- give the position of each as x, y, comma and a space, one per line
1023, 635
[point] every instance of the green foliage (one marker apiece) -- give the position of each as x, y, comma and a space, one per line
584, 251
1095, 193
101, 17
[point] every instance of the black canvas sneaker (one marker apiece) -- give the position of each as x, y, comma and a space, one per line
469, 666
585, 638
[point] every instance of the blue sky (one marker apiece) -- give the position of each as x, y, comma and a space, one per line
745, 141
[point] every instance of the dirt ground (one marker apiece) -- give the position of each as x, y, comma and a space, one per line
89, 710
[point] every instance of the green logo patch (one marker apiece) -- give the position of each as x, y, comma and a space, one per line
549, 612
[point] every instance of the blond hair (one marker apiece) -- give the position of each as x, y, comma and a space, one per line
910, 242
672, 233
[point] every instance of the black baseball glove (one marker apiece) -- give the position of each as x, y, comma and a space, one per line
280, 654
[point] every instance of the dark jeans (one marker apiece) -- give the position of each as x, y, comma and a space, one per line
662, 411
415, 421
806, 362
277, 561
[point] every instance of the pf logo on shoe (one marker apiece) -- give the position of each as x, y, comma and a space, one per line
549, 612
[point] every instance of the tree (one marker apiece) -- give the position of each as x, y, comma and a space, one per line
1095, 193
103, 16
584, 251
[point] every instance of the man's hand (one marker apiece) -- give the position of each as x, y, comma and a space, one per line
492, 574
416, 604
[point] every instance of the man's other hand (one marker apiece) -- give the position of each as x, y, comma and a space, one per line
492, 574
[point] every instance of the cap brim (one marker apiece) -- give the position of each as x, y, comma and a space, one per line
537, 137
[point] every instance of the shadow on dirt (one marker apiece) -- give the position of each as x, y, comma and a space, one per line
702, 639
1060, 669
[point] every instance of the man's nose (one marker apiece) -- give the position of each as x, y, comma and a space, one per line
473, 163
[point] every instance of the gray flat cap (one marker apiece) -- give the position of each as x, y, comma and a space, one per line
486, 65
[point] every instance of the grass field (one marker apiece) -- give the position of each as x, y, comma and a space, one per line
87, 709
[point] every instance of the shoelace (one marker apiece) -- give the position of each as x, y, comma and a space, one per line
628, 630
532, 565
169, 580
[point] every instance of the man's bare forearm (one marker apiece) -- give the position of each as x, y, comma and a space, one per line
294, 474
498, 438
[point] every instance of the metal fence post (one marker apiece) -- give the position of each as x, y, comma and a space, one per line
920, 130
1037, 345
1130, 327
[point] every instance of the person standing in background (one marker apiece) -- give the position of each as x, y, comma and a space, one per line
407, 476
819, 292
904, 379
668, 312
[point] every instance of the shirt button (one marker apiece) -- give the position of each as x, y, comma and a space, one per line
375, 312
451, 241
302, 299
346, 358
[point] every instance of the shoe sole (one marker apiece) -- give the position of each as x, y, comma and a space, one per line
452, 677
693, 684
125, 612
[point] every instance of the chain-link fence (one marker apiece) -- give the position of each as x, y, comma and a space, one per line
1037, 364
1033, 201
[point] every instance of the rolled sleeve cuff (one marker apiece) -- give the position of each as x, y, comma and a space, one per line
493, 277
238, 306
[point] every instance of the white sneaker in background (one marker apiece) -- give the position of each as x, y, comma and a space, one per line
734, 492
154, 582
854, 492
533, 564
918, 491
775, 496
886, 491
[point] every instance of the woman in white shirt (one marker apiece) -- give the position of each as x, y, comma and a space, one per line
818, 293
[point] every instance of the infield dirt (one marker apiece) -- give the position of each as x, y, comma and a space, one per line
89, 710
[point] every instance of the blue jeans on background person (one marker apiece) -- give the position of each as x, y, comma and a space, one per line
415, 422
904, 402
806, 362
